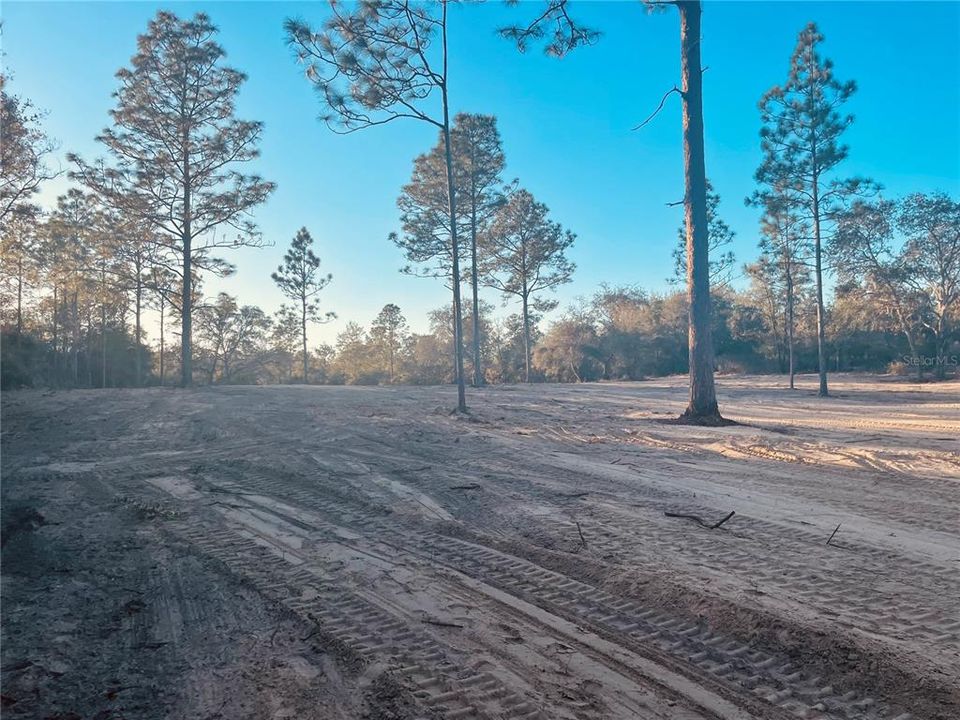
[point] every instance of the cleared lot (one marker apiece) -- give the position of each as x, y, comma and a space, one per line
323, 552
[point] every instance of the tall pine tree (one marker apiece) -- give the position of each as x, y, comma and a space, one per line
800, 139
478, 162
300, 280
525, 254
176, 147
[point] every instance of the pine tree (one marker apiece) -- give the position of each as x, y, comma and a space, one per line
387, 334
379, 63
425, 237
176, 146
524, 254
300, 280
800, 139
478, 163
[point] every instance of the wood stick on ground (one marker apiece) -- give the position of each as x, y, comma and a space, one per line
700, 521
441, 623
833, 533
583, 540
471, 486
721, 522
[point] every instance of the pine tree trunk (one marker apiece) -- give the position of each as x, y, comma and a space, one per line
818, 272
103, 327
75, 314
304, 331
186, 319
455, 247
88, 356
526, 337
56, 349
136, 345
19, 295
703, 399
162, 313
477, 367
790, 325
103, 345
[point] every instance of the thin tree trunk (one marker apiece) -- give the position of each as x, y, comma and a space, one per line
186, 320
455, 247
818, 272
103, 345
88, 356
790, 325
162, 313
304, 329
526, 336
477, 367
392, 340
75, 313
56, 349
136, 345
703, 399
19, 295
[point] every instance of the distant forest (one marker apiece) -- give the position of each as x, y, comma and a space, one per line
845, 277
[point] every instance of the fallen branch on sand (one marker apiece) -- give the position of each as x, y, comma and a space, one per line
833, 533
583, 540
471, 486
700, 520
441, 623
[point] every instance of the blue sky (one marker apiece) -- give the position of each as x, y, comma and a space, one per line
565, 125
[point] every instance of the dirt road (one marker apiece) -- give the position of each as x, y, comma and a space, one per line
323, 552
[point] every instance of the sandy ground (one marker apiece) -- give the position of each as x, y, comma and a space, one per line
315, 552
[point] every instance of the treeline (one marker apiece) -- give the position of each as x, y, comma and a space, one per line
145, 225
620, 333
